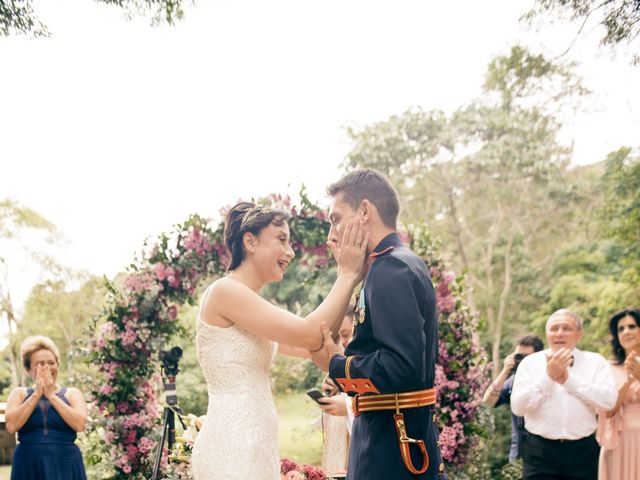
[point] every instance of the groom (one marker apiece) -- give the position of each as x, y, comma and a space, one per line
389, 367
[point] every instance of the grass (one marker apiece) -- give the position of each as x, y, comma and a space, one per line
299, 440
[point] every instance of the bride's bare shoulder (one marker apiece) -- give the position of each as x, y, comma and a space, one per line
225, 286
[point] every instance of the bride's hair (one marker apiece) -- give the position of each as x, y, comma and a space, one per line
247, 217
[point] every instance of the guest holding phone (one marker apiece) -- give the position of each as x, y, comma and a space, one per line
499, 391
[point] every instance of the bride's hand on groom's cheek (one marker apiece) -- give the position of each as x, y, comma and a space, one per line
352, 249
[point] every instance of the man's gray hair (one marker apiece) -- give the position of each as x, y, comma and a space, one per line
565, 312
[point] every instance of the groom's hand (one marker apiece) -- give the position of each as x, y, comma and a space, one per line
329, 388
329, 348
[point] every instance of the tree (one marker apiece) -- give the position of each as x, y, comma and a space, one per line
18, 16
490, 180
619, 18
58, 310
16, 221
621, 210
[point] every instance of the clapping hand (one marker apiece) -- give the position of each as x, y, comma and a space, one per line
558, 363
322, 357
38, 392
632, 365
46, 378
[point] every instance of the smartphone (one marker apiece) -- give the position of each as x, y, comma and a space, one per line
315, 395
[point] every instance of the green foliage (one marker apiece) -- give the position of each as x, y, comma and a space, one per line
596, 274
15, 217
16, 221
620, 18
511, 471
587, 280
491, 180
523, 75
289, 375
55, 309
17, 17
621, 210
161, 11
94, 451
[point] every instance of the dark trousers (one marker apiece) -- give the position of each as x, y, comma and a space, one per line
560, 459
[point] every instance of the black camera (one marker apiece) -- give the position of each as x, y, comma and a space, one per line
170, 359
517, 358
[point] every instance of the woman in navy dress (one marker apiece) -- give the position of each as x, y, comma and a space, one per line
46, 418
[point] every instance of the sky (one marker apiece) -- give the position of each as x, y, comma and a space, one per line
115, 130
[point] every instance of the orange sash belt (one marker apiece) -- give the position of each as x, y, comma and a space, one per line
393, 401
397, 401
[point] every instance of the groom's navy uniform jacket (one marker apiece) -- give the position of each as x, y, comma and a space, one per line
393, 351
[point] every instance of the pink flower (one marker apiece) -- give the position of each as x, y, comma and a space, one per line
172, 311
160, 271
193, 240
448, 276
128, 337
106, 328
146, 445
132, 452
126, 469
446, 304
130, 438
173, 280
287, 465
106, 389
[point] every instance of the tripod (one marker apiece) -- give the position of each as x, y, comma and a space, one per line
170, 370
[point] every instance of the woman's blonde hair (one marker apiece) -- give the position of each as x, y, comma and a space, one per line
33, 344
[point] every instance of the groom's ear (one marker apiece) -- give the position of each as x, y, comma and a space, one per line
365, 210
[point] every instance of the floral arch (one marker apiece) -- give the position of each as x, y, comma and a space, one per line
141, 312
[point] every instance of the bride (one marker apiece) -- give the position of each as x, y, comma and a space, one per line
236, 335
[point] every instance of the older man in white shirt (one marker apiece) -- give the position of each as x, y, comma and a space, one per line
558, 391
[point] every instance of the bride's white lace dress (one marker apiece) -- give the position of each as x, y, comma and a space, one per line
239, 438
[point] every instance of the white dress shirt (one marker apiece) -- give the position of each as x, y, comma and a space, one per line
563, 411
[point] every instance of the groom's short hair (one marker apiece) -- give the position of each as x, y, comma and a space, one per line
372, 185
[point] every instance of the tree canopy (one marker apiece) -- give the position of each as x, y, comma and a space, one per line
620, 19
19, 17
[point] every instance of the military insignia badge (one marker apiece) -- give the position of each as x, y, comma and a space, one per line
360, 310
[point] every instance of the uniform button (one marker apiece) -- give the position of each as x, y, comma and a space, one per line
433, 419
441, 467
